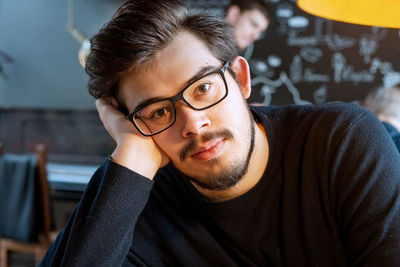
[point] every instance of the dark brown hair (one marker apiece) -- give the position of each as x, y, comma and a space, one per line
138, 30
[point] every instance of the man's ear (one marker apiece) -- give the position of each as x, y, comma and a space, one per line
241, 68
232, 14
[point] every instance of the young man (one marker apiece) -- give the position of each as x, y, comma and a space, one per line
199, 179
249, 18
385, 103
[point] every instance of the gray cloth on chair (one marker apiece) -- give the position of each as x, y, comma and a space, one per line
19, 196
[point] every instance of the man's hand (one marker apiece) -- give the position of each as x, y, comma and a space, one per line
134, 151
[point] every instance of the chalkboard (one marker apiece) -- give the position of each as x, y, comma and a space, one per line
306, 59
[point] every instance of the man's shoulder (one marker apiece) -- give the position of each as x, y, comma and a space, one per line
331, 119
334, 107
335, 110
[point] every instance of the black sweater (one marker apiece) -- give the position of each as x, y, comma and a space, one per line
329, 197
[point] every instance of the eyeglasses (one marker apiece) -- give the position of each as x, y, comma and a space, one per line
157, 116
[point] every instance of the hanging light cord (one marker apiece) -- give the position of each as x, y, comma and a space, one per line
75, 32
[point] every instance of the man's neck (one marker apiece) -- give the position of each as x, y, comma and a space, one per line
257, 166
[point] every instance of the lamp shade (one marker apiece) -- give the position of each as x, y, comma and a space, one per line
381, 13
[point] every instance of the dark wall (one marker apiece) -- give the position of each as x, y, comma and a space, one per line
70, 136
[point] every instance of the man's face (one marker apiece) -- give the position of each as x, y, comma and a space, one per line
212, 146
248, 26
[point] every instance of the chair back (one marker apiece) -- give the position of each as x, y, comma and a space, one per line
45, 229
25, 203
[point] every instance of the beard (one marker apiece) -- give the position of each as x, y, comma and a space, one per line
228, 176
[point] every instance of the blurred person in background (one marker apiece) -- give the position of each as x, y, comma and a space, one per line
249, 19
385, 103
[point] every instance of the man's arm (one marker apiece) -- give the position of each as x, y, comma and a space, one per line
100, 230
366, 174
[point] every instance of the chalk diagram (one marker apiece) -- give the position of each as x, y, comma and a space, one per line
390, 76
369, 43
310, 47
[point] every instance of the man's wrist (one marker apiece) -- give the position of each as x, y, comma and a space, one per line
135, 160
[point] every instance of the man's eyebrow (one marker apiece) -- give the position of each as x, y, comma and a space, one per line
198, 75
195, 77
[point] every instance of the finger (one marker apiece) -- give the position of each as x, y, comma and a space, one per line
105, 105
115, 102
107, 113
101, 104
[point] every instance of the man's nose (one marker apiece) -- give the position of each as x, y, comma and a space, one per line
191, 122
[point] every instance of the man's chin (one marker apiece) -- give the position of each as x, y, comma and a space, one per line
201, 168
215, 184
213, 176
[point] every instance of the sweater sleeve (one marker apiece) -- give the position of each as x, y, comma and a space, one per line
100, 229
366, 192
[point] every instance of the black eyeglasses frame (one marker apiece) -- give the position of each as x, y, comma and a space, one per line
179, 96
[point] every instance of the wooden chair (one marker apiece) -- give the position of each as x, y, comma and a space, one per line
38, 249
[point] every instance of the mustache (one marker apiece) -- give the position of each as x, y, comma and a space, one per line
193, 144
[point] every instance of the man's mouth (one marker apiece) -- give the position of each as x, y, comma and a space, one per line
210, 151
207, 146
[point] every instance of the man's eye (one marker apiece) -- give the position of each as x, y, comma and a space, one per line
159, 113
203, 88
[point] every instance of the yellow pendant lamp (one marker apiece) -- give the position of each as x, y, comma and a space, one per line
381, 13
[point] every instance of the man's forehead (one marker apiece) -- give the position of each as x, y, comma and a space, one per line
168, 70
256, 15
